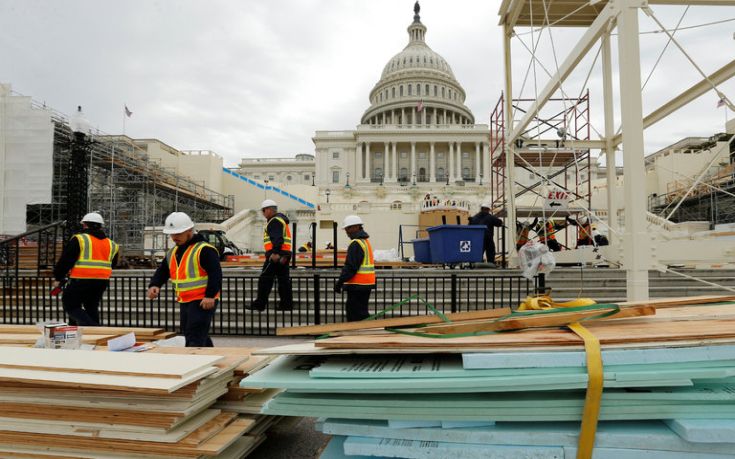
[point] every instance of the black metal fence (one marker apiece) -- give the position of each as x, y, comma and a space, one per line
26, 300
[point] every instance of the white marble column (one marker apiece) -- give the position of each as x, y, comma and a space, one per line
477, 162
450, 160
358, 160
486, 162
413, 161
403, 117
432, 163
386, 169
395, 161
368, 162
458, 159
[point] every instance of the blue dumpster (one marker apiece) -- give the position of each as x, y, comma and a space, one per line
456, 243
421, 250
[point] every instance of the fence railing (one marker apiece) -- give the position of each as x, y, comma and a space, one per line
36, 249
26, 300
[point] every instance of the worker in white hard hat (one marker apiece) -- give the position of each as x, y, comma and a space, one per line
584, 230
194, 269
358, 273
486, 218
87, 259
278, 252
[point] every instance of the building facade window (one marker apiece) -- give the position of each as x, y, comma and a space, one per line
394, 92
465, 172
288, 178
335, 176
440, 174
335, 155
271, 177
396, 205
307, 177
400, 91
418, 89
409, 89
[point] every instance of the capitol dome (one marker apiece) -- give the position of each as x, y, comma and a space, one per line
417, 87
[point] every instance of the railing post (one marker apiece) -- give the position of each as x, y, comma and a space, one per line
502, 244
454, 293
334, 236
313, 245
541, 284
317, 301
294, 249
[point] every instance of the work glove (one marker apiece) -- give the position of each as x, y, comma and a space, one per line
337, 288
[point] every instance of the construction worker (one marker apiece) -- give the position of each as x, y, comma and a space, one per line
277, 246
88, 259
195, 272
358, 274
522, 232
546, 231
484, 217
305, 247
584, 234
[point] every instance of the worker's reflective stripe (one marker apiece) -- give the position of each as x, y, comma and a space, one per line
366, 273
268, 245
95, 258
187, 276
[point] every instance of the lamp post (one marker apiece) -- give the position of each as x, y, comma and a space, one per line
312, 180
414, 179
77, 173
265, 190
327, 192
381, 179
480, 178
447, 179
348, 180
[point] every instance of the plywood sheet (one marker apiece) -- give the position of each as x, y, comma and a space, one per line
117, 363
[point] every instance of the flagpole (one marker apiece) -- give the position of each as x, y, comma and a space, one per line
123, 121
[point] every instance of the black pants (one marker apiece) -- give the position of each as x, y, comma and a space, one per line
81, 300
357, 304
195, 323
271, 271
489, 246
553, 245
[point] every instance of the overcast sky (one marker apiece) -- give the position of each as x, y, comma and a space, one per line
248, 78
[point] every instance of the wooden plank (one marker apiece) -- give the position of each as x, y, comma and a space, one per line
535, 321
681, 301
27, 338
394, 322
93, 362
611, 332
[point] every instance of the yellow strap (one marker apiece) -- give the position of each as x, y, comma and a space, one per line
594, 391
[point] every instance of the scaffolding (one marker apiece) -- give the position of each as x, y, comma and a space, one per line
562, 163
127, 187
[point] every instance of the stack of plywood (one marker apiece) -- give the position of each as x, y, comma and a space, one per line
27, 335
669, 384
93, 404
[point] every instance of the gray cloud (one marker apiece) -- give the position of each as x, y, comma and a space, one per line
254, 78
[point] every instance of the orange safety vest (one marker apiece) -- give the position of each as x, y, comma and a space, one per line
585, 232
523, 236
268, 245
188, 276
548, 234
95, 257
366, 273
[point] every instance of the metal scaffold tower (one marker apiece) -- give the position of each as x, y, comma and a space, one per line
528, 23
551, 150
130, 190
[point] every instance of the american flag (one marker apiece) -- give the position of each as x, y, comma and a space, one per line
128, 113
420, 105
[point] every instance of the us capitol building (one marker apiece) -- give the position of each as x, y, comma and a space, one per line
416, 138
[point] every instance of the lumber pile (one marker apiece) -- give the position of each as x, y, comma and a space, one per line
518, 386
94, 404
27, 335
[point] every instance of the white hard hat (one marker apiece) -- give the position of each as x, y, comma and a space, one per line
177, 222
93, 217
486, 205
351, 220
583, 220
268, 203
